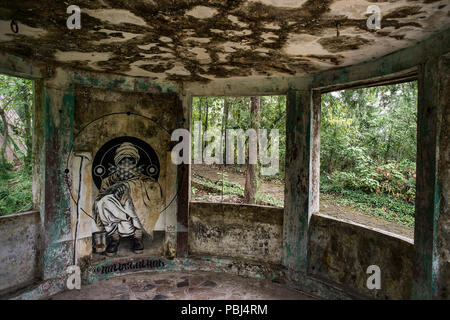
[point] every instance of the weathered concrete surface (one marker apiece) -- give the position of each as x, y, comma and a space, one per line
431, 234
341, 252
298, 184
385, 67
189, 40
57, 120
239, 231
101, 115
20, 250
443, 229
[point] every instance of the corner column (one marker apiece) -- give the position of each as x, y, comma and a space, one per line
297, 210
183, 184
432, 214
57, 244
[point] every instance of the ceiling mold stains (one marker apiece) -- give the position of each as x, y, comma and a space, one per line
116, 16
282, 3
404, 12
199, 40
343, 43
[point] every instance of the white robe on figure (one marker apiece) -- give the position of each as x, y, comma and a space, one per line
137, 207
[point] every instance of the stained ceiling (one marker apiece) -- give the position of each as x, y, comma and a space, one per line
187, 40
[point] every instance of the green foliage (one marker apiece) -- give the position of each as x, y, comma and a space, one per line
380, 205
16, 97
390, 178
15, 191
368, 145
368, 150
210, 111
15, 178
368, 140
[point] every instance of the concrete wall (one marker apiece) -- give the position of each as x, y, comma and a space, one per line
340, 252
19, 256
242, 231
152, 119
233, 230
443, 234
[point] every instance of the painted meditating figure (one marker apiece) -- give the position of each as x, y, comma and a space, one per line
128, 202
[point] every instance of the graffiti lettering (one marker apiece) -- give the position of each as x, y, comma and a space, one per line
130, 265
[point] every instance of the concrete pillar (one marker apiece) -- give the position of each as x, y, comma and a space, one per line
298, 179
315, 152
443, 222
57, 245
183, 183
432, 218
37, 138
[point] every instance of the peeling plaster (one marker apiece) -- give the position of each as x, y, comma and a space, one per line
116, 16
202, 12
298, 34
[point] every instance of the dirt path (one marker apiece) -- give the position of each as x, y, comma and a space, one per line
275, 189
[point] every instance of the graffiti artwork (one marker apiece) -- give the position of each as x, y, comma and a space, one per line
126, 171
130, 266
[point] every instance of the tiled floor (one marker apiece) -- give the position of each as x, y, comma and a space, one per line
195, 285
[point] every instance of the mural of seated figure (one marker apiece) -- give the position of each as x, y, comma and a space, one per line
128, 202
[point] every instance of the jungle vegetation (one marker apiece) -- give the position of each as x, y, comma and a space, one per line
16, 102
368, 146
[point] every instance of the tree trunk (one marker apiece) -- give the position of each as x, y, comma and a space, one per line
206, 121
251, 174
5, 136
226, 110
28, 136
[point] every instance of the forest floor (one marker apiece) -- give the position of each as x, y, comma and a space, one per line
207, 186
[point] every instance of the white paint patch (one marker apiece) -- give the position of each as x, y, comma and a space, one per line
234, 33
65, 56
6, 33
233, 46
222, 56
147, 46
165, 39
200, 40
165, 49
353, 9
269, 37
115, 16
202, 12
136, 71
179, 70
202, 55
272, 26
236, 20
188, 32
303, 45
216, 30
282, 3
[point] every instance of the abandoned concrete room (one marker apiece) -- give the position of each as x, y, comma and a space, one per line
121, 201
